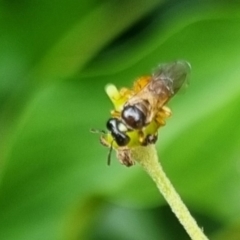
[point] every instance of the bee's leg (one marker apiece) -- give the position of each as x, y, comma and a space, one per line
125, 93
140, 83
104, 140
162, 114
115, 114
150, 139
167, 111
141, 138
147, 139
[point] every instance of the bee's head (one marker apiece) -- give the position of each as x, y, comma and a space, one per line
118, 131
116, 137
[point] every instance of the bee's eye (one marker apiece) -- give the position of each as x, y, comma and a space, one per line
133, 117
117, 129
122, 139
111, 124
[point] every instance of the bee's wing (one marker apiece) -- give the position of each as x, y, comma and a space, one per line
173, 75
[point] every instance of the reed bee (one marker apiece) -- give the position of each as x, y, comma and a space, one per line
146, 102
139, 112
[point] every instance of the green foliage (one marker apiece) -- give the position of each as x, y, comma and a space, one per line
56, 58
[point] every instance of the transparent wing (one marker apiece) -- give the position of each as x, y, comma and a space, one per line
174, 75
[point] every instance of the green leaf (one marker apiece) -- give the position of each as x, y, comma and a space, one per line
90, 35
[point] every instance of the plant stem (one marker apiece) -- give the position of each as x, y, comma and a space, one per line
148, 159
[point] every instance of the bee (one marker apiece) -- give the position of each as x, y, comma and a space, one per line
146, 102
139, 112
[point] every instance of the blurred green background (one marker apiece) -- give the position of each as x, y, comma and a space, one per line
55, 59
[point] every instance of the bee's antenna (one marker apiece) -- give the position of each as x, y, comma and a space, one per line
93, 130
110, 154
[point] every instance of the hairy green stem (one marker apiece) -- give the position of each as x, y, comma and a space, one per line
148, 159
